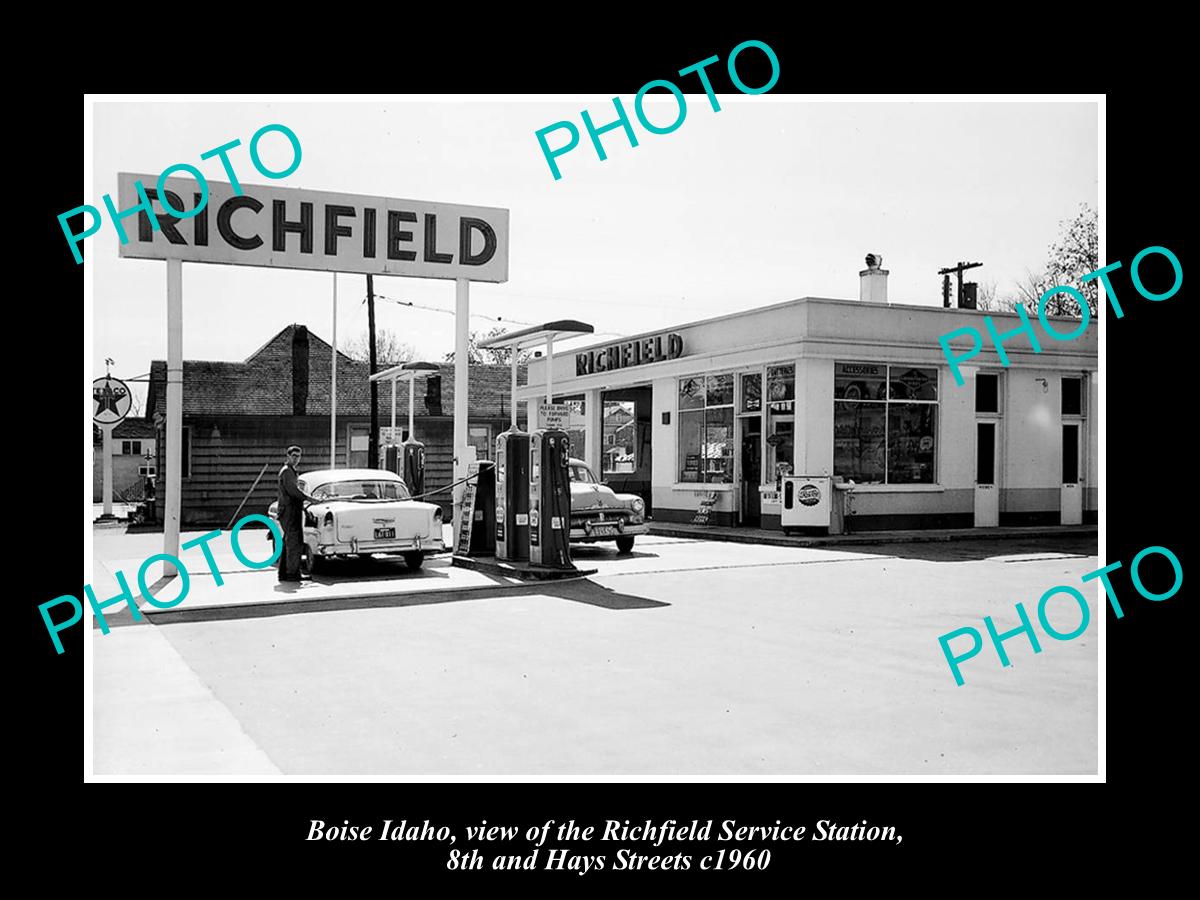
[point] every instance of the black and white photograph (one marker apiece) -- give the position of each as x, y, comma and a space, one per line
707, 433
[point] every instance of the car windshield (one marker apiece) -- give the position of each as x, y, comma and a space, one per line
362, 490
582, 474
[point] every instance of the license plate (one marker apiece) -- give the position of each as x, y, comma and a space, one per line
603, 530
381, 533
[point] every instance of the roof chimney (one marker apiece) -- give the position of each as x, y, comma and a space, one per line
872, 281
299, 370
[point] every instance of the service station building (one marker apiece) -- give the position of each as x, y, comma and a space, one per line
854, 394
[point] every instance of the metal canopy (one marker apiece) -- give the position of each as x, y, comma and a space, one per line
538, 335
532, 337
405, 371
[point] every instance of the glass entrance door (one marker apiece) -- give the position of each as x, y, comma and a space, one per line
751, 470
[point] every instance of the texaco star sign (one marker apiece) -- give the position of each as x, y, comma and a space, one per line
111, 401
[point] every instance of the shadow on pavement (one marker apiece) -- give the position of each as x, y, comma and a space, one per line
339, 571
587, 591
593, 552
1080, 545
580, 591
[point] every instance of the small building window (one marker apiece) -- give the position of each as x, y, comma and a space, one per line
131, 448
706, 429
1072, 396
987, 393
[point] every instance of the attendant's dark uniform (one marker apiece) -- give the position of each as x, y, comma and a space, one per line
291, 522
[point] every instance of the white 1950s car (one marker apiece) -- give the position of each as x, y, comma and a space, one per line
365, 511
598, 513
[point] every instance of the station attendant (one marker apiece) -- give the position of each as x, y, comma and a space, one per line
291, 516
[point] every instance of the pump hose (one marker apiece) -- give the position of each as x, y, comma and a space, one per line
418, 496
446, 488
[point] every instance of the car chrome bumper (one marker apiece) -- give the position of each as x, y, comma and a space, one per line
582, 536
428, 545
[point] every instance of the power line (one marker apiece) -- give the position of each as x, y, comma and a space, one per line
449, 312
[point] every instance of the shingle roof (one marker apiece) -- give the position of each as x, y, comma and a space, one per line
262, 385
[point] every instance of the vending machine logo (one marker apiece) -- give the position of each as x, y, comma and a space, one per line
809, 495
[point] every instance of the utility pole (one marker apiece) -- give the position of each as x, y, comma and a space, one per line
956, 270
373, 440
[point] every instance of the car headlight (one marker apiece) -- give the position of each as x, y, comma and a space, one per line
638, 505
329, 519
437, 514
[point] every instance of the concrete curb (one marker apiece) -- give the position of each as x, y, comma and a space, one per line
757, 536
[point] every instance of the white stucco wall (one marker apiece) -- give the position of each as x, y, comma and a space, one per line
814, 333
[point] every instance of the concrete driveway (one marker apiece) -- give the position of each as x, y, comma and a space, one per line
688, 659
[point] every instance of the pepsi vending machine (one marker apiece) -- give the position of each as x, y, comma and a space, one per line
512, 496
549, 499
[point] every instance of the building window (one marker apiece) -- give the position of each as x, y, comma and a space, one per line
1072, 396
480, 437
781, 421
752, 392
131, 448
885, 423
620, 437
987, 393
706, 429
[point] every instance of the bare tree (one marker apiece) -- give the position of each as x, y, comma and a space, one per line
389, 349
476, 354
1074, 254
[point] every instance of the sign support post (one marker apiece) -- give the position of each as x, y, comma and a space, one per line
112, 401
333, 385
174, 423
462, 321
108, 430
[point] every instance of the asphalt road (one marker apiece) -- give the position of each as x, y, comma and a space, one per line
686, 659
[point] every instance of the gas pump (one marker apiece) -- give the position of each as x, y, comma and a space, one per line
414, 466
549, 499
512, 495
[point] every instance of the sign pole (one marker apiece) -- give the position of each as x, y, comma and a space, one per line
333, 385
394, 441
549, 368
108, 430
462, 321
174, 423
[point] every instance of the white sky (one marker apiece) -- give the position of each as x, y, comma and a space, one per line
767, 200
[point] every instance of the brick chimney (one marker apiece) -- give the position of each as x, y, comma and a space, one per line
299, 370
872, 281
